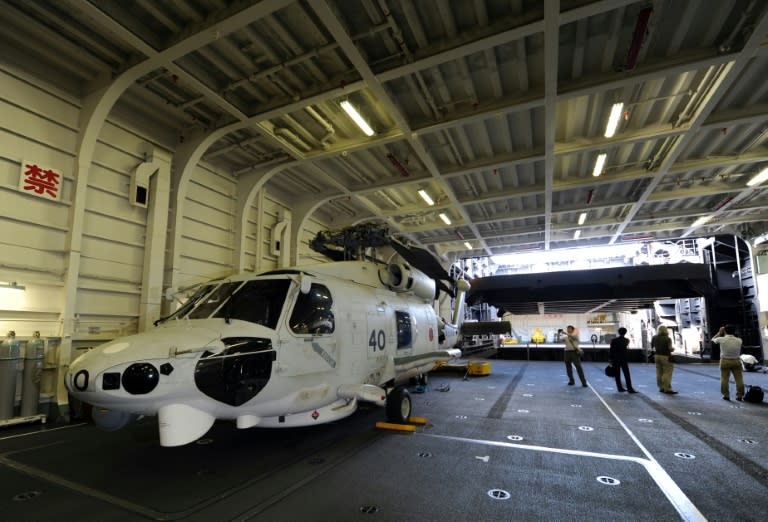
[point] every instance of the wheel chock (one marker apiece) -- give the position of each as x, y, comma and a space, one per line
421, 421
395, 427
479, 368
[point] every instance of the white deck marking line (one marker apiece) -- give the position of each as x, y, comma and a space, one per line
42, 431
544, 449
683, 505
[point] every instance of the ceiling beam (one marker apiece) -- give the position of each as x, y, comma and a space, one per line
723, 77
551, 48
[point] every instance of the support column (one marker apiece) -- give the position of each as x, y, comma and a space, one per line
154, 245
248, 186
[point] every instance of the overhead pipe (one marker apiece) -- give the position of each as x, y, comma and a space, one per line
352, 171
329, 130
637, 238
423, 89
738, 29
445, 135
285, 88
723, 203
710, 80
224, 150
254, 77
265, 161
641, 26
398, 36
399, 166
288, 134
293, 124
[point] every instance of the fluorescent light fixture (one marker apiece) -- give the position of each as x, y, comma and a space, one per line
613, 119
577, 234
758, 178
466, 244
599, 164
701, 221
426, 197
12, 286
352, 112
445, 218
582, 218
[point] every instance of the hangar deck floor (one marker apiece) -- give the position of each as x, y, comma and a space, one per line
518, 444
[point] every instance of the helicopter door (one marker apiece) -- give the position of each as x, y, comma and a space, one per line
314, 347
381, 340
381, 336
377, 335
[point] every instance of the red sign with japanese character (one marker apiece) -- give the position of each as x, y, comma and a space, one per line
39, 181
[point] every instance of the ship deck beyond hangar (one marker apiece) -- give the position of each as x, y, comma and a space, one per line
518, 444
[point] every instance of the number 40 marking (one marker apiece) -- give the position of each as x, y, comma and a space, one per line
377, 340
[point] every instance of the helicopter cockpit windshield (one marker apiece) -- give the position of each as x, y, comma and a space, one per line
215, 300
189, 304
258, 301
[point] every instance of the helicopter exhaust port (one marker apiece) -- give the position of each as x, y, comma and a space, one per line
400, 277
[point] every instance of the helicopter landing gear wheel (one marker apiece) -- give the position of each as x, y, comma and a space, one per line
399, 405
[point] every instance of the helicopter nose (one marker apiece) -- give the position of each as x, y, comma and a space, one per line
137, 379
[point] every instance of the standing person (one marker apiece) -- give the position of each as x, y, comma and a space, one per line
619, 357
662, 343
572, 354
730, 350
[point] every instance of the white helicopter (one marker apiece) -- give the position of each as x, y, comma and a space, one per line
285, 348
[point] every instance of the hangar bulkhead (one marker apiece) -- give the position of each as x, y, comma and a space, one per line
148, 148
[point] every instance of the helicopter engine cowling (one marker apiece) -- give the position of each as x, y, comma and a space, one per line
400, 277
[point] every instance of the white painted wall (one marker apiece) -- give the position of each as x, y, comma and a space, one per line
207, 244
33, 128
39, 124
261, 222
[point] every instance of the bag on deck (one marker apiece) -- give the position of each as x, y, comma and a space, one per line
749, 363
754, 394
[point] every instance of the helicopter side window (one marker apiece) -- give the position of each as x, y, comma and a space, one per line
404, 333
312, 313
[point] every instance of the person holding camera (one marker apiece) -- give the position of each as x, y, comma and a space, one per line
572, 354
730, 363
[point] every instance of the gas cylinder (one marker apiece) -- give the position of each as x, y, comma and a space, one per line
9, 359
33, 370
